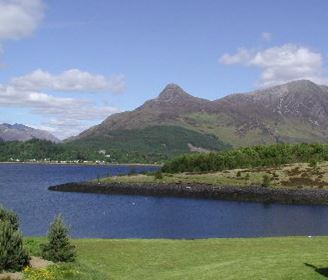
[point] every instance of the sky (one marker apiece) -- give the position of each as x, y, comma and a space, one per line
67, 65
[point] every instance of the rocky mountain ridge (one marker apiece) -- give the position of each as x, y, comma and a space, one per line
19, 132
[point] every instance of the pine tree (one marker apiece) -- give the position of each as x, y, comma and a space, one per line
13, 256
59, 247
9, 216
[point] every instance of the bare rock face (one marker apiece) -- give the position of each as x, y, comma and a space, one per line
292, 112
19, 132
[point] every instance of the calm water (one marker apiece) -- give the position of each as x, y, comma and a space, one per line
24, 189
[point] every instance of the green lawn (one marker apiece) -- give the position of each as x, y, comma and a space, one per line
261, 258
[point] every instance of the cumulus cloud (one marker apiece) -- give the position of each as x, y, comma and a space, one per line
61, 127
75, 113
281, 64
65, 122
19, 18
70, 80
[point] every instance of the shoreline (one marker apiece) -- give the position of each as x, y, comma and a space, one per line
230, 193
84, 164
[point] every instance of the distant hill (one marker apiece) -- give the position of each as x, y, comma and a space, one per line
19, 132
291, 113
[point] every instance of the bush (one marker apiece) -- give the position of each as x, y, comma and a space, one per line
158, 175
266, 181
238, 174
313, 163
59, 247
9, 216
13, 256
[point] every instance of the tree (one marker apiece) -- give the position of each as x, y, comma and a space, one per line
9, 216
13, 256
59, 247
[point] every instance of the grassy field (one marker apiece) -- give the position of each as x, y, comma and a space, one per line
300, 175
258, 258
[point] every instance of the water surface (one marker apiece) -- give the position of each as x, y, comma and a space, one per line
23, 187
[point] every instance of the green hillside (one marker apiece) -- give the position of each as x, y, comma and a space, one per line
155, 143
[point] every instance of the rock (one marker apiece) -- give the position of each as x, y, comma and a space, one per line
11, 276
38, 263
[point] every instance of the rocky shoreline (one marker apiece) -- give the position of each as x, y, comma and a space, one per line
234, 193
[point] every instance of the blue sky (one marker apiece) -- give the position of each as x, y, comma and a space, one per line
66, 65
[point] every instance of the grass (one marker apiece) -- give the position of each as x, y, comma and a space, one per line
298, 175
256, 258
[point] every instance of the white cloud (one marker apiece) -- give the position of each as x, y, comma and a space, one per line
65, 122
242, 56
70, 80
266, 36
281, 64
19, 18
12, 96
72, 113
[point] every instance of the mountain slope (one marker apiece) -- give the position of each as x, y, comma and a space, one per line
167, 107
150, 144
19, 132
293, 112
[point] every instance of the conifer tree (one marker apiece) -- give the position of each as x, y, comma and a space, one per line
13, 256
10, 216
59, 247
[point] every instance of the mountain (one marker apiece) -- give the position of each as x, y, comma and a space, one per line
19, 132
172, 103
294, 112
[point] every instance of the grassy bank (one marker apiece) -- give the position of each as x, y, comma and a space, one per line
297, 175
262, 258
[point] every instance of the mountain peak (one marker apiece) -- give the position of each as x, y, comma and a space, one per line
172, 92
302, 85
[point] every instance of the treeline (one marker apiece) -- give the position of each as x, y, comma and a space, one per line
155, 144
250, 157
41, 150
